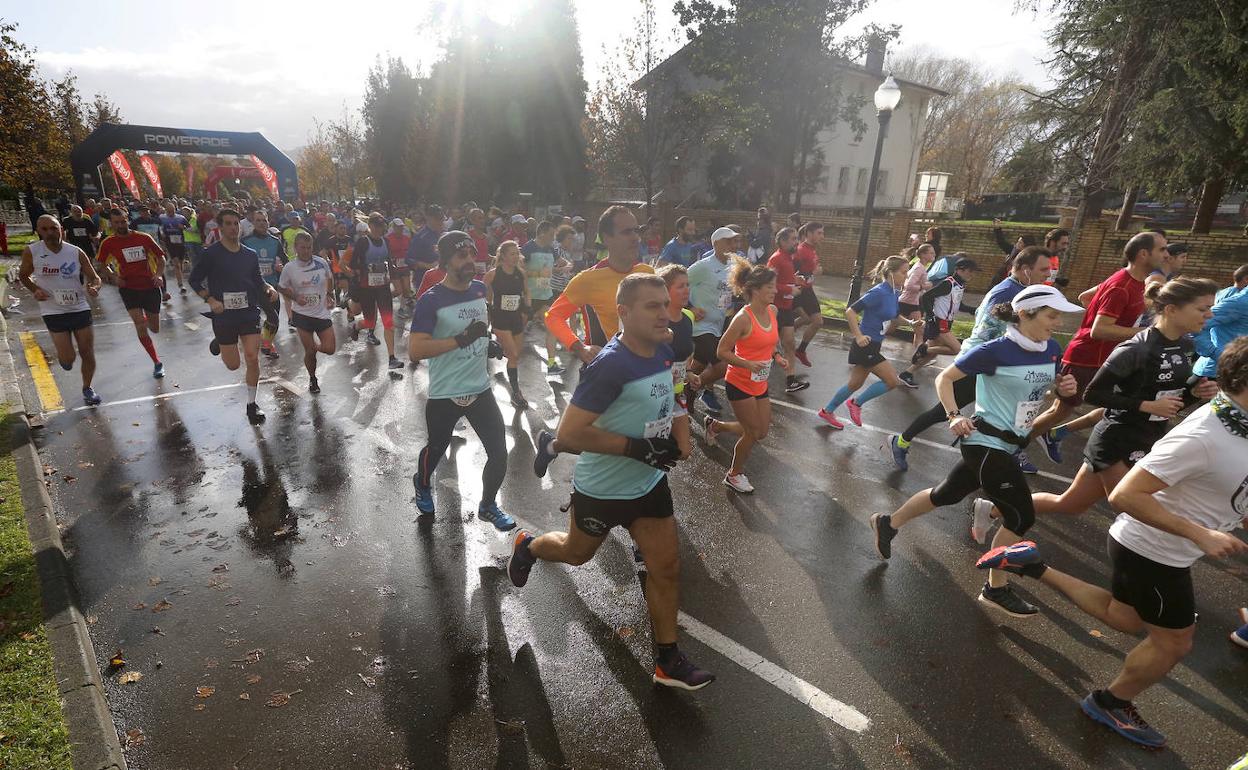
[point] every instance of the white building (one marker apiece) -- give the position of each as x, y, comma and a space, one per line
847, 158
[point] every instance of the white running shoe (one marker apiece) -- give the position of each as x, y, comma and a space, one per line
739, 483
981, 522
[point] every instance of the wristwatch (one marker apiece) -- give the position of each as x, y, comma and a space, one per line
952, 415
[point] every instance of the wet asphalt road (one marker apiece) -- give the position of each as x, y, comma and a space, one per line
293, 563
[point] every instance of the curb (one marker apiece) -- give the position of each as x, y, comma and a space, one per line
93, 738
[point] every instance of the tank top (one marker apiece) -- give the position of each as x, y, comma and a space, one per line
508, 289
759, 345
59, 274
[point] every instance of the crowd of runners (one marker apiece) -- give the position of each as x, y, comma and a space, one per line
657, 329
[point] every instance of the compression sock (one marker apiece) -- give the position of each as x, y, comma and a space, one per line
251, 393
513, 378
150, 347
877, 389
841, 397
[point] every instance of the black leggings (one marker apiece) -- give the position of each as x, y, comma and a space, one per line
997, 473
963, 394
441, 415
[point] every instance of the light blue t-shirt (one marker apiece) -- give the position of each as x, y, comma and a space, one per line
987, 326
1010, 391
709, 290
876, 309
632, 396
441, 313
539, 265
269, 253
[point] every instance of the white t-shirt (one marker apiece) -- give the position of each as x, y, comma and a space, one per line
59, 273
309, 281
245, 228
1206, 468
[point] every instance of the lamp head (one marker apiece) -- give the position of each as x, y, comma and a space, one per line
888, 95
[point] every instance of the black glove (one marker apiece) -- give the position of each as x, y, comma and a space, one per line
495, 350
474, 331
661, 453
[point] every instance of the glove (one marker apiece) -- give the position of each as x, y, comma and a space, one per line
661, 453
474, 331
495, 350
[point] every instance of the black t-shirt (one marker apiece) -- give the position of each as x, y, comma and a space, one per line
1144, 368
507, 285
80, 232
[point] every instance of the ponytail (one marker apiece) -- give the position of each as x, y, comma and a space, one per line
886, 266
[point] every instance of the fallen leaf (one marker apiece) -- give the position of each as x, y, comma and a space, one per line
244, 696
233, 602
156, 630
1096, 633
134, 738
902, 750
154, 581
69, 479
162, 605
624, 632
129, 676
279, 698
515, 727
253, 678
92, 620
210, 663
140, 606
252, 656
118, 660
200, 707
204, 691
355, 634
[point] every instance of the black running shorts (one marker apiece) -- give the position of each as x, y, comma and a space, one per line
148, 300
596, 517
68, 322
1162, 595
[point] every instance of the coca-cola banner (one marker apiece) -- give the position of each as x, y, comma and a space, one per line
266, 173
121, 167
153, 176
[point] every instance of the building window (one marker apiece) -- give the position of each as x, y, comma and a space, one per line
863, 174
842, 181
881, 182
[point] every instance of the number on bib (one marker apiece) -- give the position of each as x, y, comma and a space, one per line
1025, 414
134, 254
762, 375
80, 232
235, 300
67, 297
1165, 394
510, 302
660, 428
376, 279
266, 268
678, 371
175, 238
308, 300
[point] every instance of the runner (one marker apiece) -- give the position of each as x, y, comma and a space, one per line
190, 236
867, 318
539, 266
61, 277
680, 322
79, 230
1180, 502
370, 265
398, 239
908, 303
271, 257
749, 348
1113, 310
306, 283
139, 277
228, 279
940, 305
422, 250
449, 330
781, 263
332, 243
680, 249
710, 298
1030, 267
1015, 373
172, 233
507, 293
807, 261
1230, 320
620, 421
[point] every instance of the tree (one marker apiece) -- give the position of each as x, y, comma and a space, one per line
318, 175
102, 111
33, 149
172, 175
394, 116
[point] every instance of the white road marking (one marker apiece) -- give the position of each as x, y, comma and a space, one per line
162, 396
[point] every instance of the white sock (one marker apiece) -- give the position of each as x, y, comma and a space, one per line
251, 394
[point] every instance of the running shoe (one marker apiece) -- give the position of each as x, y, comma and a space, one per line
395, 363
424, 496
794, 385
372, 338
90, 397
269, 351
158, 371
313, 385
1007, 601
981, 519
354, 332
1025, 464
739, 483
182, 289
1052, 444
1011, 558
521, 560
1239, 764
682, 674
830, 419
544, 456
710, 402
919, 354
907, 379
1125, 721
554, 367
800, 355
710, 431
501, 520
899, 454
855, 412
214, 347
518, 401
254, 415
1240, 635
882, 526
167, 297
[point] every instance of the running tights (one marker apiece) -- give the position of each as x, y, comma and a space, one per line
373, 301
963, 394
997, 473
441, 415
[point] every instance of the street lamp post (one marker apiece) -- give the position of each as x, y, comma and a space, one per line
887, 97
337, 181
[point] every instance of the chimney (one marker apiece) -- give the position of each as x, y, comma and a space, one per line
876, 47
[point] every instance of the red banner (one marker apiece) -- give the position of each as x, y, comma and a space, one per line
190, 179
266, 173
121, 167
153, 176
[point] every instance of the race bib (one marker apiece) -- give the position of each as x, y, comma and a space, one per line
266, 268
134, 254
511, 302
542, 282
235, 300
309, 299
1025, 414
175, 238
80, 232
660, 428
678, 371
66, 297
464, 401
762, 375
1165, 394
376, 279
725, 302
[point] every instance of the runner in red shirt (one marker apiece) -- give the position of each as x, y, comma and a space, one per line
806, 260
786, 276
1111, 318
139, 278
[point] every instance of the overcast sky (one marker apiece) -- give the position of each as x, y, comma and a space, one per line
257, 66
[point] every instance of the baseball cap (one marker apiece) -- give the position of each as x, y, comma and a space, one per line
451, 242
1038, 296
722, 233
577, 219
517, 219
397, 222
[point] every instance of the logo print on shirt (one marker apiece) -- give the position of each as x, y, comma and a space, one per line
68, 268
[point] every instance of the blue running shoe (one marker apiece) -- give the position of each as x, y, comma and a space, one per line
424, 497
1011, 558
681, 673
1240, 635
159, 371
1052, 442
544, 455
521, 559
501, 520
710, 402
90, 397
1125, 721
899, 454
1025, 464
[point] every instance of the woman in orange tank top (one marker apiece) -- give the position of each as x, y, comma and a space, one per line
749, 347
